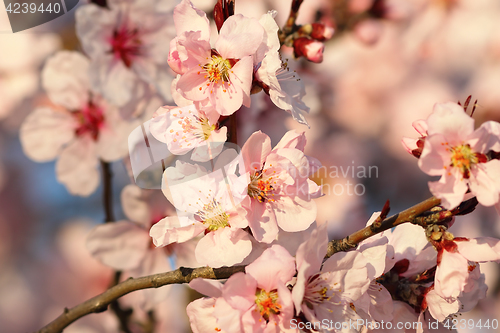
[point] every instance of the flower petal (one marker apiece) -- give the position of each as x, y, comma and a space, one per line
65, 77
223, 247
485, 182
481, 249
239, 36
77, 167
45, 132
435, 156
451, 121
121, 245
450, 189
439, 308
189, 18
239, 291
193, 85
201, 318
255, 150
207, 287
134, 206
451, 275
273, 266
173, 229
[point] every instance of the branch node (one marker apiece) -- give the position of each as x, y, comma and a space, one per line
99, 307
185, 271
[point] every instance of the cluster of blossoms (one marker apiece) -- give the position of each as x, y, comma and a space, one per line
262, 299
219, 80
96, 101
223, 206
237, 200
271, 192
399, 276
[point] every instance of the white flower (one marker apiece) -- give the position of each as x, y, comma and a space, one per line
79, 129
128, 48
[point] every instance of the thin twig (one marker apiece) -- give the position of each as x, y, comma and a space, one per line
355, 238
123, 315
107, 192
233, 129
100, 303
290, 25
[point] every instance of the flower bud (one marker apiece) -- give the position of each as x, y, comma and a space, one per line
321, 32
308, 48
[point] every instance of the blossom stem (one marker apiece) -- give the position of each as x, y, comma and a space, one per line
233, 129
290, 25
123, 315
107, 198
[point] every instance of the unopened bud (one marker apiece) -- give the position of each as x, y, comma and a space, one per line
321, 32
308, 48
222, 11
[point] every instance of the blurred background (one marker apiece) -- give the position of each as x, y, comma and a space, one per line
379, 73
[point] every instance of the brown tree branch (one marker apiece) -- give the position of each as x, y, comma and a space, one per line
290, 25
100, 303
233, 129
185, 275
357, 237
107, 192
123, 315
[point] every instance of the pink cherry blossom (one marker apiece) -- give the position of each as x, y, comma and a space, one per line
79, 129
325, 293
440, 283
204, 204
221, 75
457, 259
457, 153
408, 271
186, 128
279, 190
255, 301
127, 61
201, 315
376, 303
